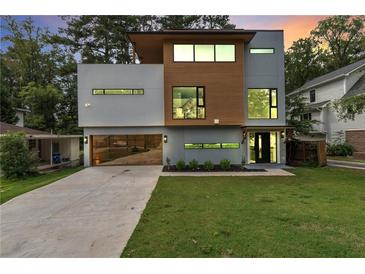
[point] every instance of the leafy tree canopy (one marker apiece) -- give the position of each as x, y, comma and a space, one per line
347, 108
335, 42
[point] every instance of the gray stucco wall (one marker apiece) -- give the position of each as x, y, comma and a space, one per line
265, 71
120, 110
178, 136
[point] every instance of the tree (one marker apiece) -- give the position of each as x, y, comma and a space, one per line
67, 112
195, 22
296, 106
348, 108
100, 39
27, 57
217, 22
15, 158
43, 102
303, 61
169, 22
7, 111
343, 37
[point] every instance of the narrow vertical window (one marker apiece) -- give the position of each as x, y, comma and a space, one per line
312, 96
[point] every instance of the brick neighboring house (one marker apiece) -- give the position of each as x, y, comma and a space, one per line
357, 139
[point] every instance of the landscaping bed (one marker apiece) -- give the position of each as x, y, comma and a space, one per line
215, 168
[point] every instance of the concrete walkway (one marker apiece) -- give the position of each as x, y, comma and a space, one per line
346, 164
268, 172
91, 213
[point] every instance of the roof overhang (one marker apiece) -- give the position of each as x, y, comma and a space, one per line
149, 45
267, 128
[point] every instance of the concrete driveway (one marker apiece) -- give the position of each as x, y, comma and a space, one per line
91, 213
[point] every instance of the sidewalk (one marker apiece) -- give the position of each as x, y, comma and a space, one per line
346, 164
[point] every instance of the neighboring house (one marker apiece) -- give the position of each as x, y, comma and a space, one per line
323, 90
52, 150
20, 114
196, 94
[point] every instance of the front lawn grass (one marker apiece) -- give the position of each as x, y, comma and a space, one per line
318, 213
10, 188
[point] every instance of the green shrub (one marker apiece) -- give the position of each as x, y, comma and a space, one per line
193, 164
340, 149
225, 164
208, 165
16, 160
180, 165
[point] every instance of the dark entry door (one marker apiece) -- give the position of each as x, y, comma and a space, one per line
262, 147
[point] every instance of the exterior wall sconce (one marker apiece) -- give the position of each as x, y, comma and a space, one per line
282, 134
216, 121
87, 105
86, 140
165, 138
244, 136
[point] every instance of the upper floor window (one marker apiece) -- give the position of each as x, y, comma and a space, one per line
306, 116
262, 50
204, 53
118, 91
184, 53
188, 103
262, 104
312, 96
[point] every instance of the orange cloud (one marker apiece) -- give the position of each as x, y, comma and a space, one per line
297, 27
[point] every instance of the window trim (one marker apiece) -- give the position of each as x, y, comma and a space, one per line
104, 89
197, 103
270, 104
214, 44
250, 51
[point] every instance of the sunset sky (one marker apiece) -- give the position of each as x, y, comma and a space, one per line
294, 27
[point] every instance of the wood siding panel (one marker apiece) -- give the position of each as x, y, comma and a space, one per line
223, 84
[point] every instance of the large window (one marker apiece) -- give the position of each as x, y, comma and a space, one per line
188, 103
204, 53
224, 53
118, 91
184, 53
262, 104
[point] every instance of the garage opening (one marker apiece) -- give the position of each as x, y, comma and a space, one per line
127, 149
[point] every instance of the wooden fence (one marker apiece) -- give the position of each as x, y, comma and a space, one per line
306, 152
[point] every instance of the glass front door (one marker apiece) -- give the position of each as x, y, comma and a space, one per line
263, 147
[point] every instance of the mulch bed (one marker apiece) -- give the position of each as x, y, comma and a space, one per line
217, 168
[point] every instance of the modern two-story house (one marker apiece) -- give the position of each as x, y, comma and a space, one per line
194, 94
